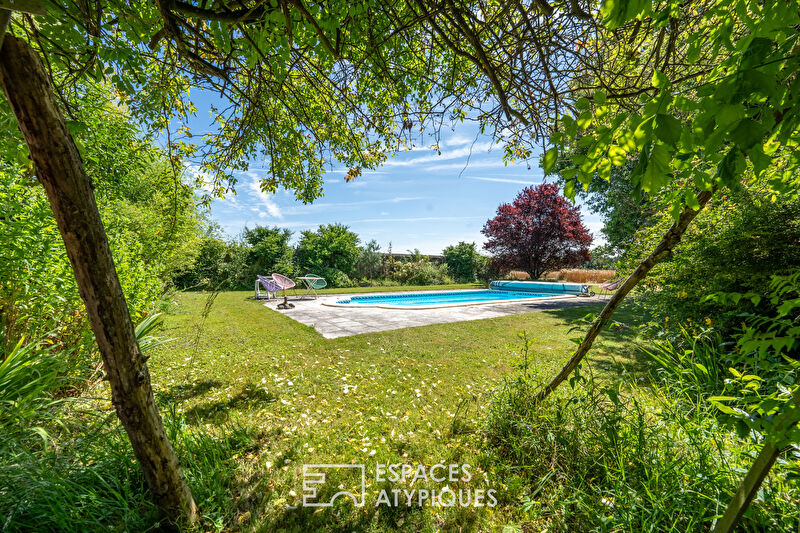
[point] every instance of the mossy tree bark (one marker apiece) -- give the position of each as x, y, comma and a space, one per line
60, 170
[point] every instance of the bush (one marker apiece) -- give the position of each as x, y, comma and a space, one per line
339, 279
268, 251
370, 260
330, 252
747, 379
486, 269
39, 293
421, 273
734, 245
462, 261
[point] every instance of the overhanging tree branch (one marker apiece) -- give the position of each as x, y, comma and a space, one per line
668, 242
252, 14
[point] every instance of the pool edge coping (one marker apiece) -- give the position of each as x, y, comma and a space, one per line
443, 306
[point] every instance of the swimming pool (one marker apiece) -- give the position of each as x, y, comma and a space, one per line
431, 300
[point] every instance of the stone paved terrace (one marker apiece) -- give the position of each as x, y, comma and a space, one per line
333, 322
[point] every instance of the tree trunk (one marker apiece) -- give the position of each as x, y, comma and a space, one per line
760, 468
671, 238
60, 170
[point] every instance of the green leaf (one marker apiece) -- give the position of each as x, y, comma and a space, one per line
668, 129
747, 133
570, 126
582, 103
585, 119
600, 97
657, 172
660, 80
693, 52
618, 12
729, 115
641, 135
728, 168
550, 158
756, 52
722, 398
569, 190
617, 155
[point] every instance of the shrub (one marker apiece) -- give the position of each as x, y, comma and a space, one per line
328, 252
486, 269
267, 251
421, 273
370, 260
462, 261
734, 245
338, 279
38, 292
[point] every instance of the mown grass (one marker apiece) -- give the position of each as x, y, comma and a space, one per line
415, 395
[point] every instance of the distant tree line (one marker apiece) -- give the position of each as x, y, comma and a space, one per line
332, 251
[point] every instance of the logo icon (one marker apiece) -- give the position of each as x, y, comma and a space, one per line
314, 477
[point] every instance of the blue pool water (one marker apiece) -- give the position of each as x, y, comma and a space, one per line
433, 299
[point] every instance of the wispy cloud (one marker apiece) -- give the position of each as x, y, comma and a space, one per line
481, 163
415, 219
265, 199
503, 180
480, 147
457, 140
327, 205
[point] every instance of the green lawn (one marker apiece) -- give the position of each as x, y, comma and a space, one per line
388, 397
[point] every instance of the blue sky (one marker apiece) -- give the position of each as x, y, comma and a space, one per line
418, 199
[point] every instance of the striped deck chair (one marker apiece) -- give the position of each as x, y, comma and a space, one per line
284, 283
610, 286
270, 287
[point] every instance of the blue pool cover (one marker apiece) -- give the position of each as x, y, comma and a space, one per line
500, 293
540, 287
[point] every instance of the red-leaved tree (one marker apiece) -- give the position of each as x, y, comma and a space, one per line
538, 232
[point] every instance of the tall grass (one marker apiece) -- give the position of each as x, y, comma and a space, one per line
593, 459
88, 480
578, 275
691, 363
67, 465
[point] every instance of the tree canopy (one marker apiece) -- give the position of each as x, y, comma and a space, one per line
330, 252
539, 231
